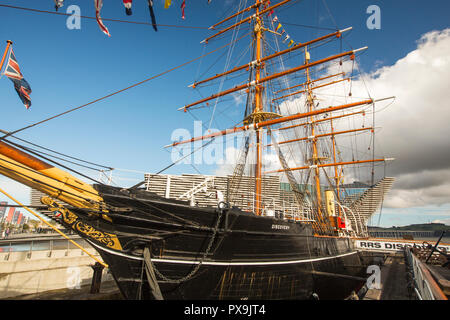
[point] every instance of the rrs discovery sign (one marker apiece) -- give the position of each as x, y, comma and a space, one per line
391, 245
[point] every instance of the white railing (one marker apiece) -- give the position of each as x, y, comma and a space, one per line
289, 210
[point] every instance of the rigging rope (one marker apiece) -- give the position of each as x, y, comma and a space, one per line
104, 19
62, 154
117, 92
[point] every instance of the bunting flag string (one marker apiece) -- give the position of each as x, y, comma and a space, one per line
12, 71
280, 26
98, 7
267, 5
128, 4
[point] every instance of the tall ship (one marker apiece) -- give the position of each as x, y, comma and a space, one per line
267, 229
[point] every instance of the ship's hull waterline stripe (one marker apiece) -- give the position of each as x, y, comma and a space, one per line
214, 263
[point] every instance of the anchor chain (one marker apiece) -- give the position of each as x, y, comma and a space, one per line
197, 267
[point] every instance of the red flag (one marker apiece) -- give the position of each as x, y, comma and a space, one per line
98, 7
127, 4
267, 5
183, 5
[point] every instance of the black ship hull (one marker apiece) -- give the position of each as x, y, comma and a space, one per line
212, 253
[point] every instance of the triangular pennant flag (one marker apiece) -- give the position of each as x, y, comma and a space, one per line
275, 19
183, 5
152, 15
12, 71
127, 4
279, 26
58, 4
286, 38
167, 4
98, 8
291, 43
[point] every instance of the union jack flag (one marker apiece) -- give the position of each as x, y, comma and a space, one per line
12, 71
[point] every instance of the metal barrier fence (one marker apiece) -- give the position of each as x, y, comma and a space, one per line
425, 286
31, 245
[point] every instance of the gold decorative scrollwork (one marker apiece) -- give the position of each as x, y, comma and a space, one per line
108, 239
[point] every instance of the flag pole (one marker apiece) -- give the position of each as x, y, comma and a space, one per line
9, 43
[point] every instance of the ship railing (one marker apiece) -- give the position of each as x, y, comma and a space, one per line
282, 209
361, 230
425, 287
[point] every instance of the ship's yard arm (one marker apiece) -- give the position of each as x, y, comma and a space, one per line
321, 120
322, 135
312, 81
277, 121
273, 76
312, 88
274, 55
248, 19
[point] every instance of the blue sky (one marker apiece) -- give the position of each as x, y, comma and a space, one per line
67, 68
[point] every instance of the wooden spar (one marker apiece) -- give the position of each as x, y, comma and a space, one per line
312, 88
8, 44
272, 122
297, 46
271, 77
322, 135
234, 15
331, 164
321, 120
248, 19
44, 177
312, 81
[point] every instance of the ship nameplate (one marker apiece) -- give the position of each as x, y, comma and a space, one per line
280, 227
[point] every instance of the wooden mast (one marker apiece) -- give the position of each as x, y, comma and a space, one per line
259, 118
258, 110
315, 154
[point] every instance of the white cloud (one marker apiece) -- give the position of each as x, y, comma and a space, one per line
414, 129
